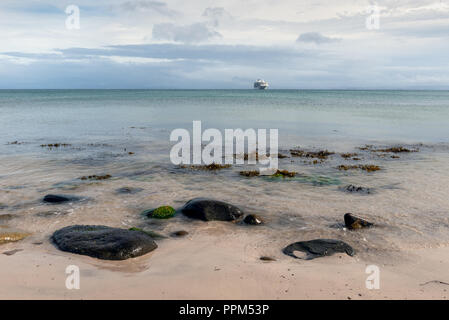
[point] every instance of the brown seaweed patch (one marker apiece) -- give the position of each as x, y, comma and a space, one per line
322, 154
209, 167
284, 173
396, 149
95, 177
253, 173
278, 173
365, 167
348, 155
55, 145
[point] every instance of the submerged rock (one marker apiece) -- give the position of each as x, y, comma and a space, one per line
209, 209
353, 222
54, 198
357, 189
253, 219
103, 242
318, 248
128, 190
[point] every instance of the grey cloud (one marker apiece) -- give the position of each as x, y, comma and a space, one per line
217, 15
146, 5
197, 32
315, 37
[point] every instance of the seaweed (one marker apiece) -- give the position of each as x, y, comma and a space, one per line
152, 234
278, 173
164, 212
95, 177
397, 149
284, 173
254, 173
55, 145
348, 155
323, 154
365, 167
209, 167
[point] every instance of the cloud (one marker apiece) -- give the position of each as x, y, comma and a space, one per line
146, 5
197, 32
217, 15
315, 37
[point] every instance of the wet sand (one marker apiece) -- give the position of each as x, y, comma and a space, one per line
221, 260
206, 265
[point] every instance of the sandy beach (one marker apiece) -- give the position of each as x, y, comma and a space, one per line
207, 265
115, 174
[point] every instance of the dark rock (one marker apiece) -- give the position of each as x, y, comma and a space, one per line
265, 258
128, 190
10, 253
318, 248
53, 198
208, 210
103, 242
181, 233
253, 219
356, 189
353, 222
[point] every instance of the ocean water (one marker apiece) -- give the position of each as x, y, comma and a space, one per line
125, 133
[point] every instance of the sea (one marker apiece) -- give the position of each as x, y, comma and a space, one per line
51, 140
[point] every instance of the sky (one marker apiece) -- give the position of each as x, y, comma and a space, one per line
228, 44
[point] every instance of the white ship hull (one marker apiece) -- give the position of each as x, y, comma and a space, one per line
261, 85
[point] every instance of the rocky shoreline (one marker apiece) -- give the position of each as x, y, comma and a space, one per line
109, 243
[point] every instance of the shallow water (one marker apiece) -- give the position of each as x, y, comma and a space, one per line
409, 202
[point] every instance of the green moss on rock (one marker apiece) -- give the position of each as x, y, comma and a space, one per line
152, 234
164, 212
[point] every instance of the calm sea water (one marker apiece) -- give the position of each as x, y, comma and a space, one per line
409, 200
327, 116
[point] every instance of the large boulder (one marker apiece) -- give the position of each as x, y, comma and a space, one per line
209, 209
103, 242
318, 248
353, 222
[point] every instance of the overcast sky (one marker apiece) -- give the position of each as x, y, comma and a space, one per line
225, 44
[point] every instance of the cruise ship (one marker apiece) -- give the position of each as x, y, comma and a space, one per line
260, 84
